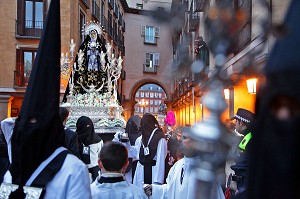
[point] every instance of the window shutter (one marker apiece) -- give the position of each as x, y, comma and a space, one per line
156, 59
157, 31
20, 16
19, 69
148, 57
143, 28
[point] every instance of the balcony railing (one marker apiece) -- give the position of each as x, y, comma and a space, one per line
150, 39
103, 22
148, 69
31, 29
120, 18
194, 21
86, 3
116, 10
95, 10
21, 79
111, 3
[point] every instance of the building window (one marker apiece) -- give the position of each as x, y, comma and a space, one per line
103, 20
34, 14
25, 60
30, 17
159, 95
137, 94
151, 102
81, 24
142, 94
146, 94
151, 95
151, 109
244, 35
28, 59
151, 63
150, 33
95, 10
152, 59
139, 6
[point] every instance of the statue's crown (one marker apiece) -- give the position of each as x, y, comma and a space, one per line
89, 26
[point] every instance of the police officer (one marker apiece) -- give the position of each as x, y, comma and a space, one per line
243, 120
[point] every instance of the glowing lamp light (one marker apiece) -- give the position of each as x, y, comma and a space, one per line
226, 94
251, 85
143, 103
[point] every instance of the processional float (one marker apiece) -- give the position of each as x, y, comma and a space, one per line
93, 90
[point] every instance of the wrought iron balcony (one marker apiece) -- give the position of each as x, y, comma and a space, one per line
148, 69
120, 18
194, 20
29, 29
21, 79
103, 22
150, 39
86, 3
111, 3
116, 10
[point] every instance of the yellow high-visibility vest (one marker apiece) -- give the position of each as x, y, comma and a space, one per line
245, 141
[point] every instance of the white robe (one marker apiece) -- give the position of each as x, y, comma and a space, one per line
70, 182
157, 170
7, 126
173, 189
94, 153
118, 190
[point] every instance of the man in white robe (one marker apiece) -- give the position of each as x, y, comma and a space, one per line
73, 173
157, 170
111, 184
153, 139
75, 177
181, 180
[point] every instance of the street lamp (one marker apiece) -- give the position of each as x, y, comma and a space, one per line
251, 85
143, 103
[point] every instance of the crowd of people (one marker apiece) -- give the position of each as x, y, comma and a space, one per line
156, 161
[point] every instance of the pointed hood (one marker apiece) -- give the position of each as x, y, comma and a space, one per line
274, 151
133, 128
38, 129
86, 131
148, 124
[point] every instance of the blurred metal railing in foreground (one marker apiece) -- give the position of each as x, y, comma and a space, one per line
213, 141
224, 23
